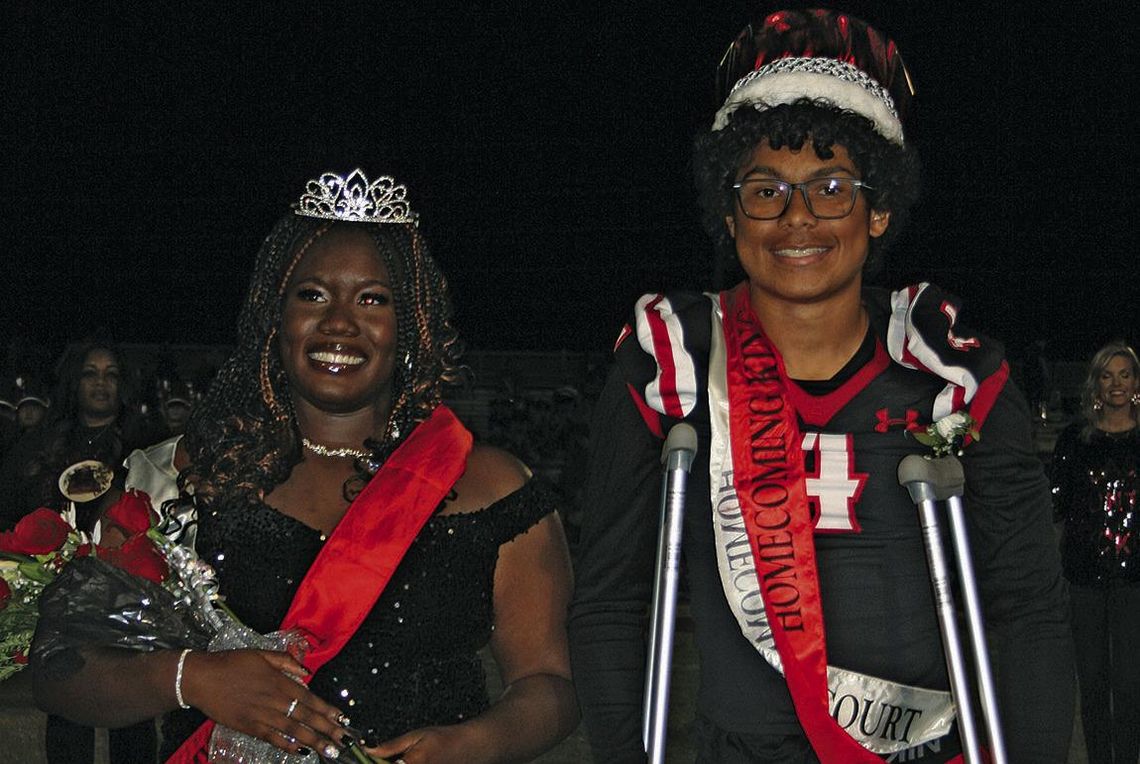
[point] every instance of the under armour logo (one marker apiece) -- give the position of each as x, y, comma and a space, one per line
884, 422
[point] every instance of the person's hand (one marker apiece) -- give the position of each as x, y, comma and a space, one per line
429, 745
259, 692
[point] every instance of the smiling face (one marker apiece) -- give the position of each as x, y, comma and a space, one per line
798, 257
337, 340
1117, 383
97, 395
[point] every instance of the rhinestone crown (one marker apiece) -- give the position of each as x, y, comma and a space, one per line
353, 198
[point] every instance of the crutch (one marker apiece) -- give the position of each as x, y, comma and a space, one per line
929, 481
677, 456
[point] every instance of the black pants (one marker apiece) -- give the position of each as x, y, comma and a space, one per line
70, 743
1106, 631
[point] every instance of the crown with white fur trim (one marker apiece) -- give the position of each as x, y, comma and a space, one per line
822, 55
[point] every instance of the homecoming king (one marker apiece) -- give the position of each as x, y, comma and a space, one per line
815, 622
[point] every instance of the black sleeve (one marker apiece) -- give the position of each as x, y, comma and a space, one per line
613, 574
1019, 573
1062, 471
18, 487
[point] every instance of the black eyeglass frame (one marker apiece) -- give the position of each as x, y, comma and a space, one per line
802, 187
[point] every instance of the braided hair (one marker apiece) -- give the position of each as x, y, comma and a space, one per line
243, 439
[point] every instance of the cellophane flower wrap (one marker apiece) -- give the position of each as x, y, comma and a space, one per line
128, 596
150, 592
31, 556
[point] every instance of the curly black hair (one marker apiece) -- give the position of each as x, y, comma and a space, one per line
891, 170
243, 438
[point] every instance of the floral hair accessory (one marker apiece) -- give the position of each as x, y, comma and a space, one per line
949, 434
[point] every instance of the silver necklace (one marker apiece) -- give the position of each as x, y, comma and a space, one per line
96, 433
319, 450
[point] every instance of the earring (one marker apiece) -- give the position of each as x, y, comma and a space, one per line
1136, 399
1098, 404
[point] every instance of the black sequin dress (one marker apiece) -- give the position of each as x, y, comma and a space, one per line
414, 661
1095, 486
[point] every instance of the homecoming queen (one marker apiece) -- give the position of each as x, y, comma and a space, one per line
337, 496
814, 618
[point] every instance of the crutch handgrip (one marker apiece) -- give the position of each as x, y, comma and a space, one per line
680, 447
932, 479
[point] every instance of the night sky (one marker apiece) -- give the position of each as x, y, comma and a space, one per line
147, 151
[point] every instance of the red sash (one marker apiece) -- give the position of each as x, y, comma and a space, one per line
363, 552
769, 481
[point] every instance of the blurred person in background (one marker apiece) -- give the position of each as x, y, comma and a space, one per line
91, 420
176, 407
32, 404
1096, 477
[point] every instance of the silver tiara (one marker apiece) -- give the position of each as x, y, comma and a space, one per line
354, 198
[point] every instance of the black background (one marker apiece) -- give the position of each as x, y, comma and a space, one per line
147, 150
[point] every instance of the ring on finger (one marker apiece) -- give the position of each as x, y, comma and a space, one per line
289, 739
292, 707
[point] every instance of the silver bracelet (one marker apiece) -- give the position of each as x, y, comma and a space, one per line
178, 678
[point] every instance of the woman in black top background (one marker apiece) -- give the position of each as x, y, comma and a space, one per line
91, 419
1095, 480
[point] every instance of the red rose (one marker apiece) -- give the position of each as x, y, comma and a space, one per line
20, 658
132, 513
5, 593
139, 557
83, 550
43, 531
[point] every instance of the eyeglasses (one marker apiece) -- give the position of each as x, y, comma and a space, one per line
826, 198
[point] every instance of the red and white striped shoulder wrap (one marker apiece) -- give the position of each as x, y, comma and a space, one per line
663, 351
921, 335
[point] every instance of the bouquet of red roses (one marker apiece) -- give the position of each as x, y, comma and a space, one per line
147, 593
30, 558
43, 547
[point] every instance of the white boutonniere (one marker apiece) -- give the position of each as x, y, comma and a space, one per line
948, 435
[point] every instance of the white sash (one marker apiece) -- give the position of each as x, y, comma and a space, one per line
883, 716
